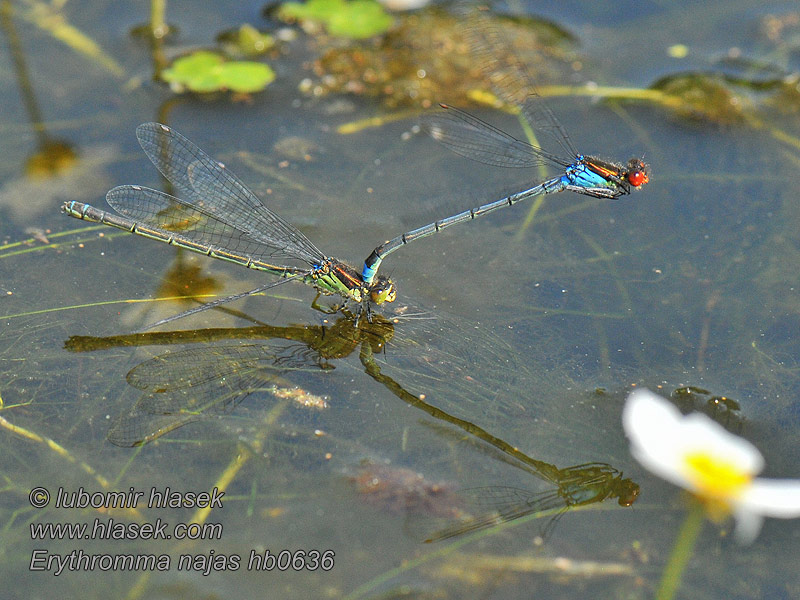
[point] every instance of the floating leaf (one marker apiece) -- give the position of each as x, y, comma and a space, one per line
245, 77
314, 10
357, 19
247, 41
194, 71
205, 71
360, 19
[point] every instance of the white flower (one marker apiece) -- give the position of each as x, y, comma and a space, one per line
699, 455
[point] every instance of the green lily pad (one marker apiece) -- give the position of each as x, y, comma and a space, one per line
246, 41
357, 19
188, 66
313, 10
205, 72
245, 77
360, 19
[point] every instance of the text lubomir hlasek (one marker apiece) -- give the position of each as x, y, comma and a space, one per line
156, 498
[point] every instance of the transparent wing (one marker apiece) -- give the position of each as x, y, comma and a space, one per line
192, 384
170, 215
139, 428
475, 139
498, 504
213, 190
195, 367
510, 78
156, 414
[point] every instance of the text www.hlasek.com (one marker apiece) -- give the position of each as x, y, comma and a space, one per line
109, 529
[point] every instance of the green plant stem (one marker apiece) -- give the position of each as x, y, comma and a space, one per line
681, 552
158, 26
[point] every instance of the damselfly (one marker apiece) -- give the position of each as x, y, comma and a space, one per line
217, 215
473, 138
578, 485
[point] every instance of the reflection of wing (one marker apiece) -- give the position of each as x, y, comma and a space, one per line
501, 504
460, 366
158, 413
187, 385
139, 428
196, 366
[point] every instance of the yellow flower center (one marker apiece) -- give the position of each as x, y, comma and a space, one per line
715, 478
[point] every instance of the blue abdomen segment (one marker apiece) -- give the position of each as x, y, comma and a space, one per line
368, 272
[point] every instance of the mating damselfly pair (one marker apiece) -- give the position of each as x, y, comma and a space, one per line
215, 214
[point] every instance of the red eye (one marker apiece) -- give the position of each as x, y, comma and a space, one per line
637, 178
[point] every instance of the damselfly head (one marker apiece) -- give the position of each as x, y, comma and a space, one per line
382, 290
636, 174
627, 491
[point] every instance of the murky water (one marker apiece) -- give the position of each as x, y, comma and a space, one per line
503, 364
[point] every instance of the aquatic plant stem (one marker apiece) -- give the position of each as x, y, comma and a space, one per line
158, 24
681, 552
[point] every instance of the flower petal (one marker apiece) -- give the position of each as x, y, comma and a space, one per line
701, 433
649, 420
653, 426
662, 439
748, 524
772, 498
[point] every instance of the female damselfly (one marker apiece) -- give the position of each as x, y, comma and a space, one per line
217, 215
